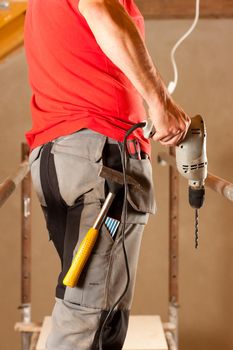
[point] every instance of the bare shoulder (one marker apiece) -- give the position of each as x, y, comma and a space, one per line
83, 5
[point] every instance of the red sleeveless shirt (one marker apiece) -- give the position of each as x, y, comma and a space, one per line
74, 84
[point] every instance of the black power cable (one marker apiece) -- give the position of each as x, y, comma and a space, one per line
124, 212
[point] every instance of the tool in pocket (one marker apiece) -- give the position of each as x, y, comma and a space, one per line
115, 182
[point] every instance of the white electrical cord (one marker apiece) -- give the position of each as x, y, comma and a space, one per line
172, 85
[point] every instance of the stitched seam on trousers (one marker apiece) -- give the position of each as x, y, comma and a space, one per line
88, 306
108, 276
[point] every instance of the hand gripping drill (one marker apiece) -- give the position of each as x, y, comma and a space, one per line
191, 162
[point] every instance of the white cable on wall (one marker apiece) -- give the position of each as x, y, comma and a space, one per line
172, 85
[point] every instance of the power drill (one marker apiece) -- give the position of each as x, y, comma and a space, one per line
191, 161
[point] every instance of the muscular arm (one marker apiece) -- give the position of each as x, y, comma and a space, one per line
120, 40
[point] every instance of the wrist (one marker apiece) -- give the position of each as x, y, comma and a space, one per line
158, 97
157, 106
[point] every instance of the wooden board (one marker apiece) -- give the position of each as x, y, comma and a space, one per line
164, 9
44, 333
11, 27
144, 333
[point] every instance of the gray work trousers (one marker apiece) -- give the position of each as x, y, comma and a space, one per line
65, 178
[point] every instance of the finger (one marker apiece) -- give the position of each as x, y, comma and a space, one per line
169, 137
158, 136
187, 127
184, 133
166, 136
182, 137
173, 141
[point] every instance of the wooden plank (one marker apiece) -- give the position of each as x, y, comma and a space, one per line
12, 12
31, 327
165, 9
8, 186
145, 332
46, 327
12, 27
34, 340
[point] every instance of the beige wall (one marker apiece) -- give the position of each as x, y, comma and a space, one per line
206, 277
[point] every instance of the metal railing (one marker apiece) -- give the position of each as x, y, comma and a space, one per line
29, 330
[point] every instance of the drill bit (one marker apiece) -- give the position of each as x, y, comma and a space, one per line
196, 228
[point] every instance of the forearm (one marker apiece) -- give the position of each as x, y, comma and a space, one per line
120, 40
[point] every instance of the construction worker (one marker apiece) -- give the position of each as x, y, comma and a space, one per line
90, 71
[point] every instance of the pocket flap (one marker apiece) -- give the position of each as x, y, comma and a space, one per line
141, 171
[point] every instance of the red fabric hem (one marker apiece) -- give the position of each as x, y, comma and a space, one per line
66, 128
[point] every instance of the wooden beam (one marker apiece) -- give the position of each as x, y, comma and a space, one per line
28, 327
167, 9
11, 27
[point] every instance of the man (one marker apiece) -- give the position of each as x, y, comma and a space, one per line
90, 71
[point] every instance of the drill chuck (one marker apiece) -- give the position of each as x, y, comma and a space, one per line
196, 197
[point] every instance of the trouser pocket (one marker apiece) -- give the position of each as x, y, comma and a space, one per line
90, 289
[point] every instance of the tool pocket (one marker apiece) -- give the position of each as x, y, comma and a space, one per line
142, 203
91, 285
90, 290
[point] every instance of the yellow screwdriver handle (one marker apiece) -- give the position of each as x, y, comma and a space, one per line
81, 257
